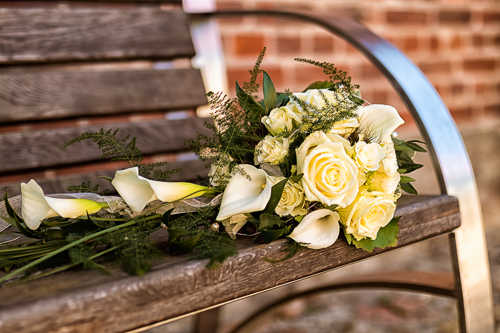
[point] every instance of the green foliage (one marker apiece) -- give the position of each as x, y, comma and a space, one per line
386, 237
117, 149
270, 97
85, 187
405, 151
252, 86
276, 193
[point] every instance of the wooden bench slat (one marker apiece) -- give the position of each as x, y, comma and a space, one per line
67, 34
48, 95
83, 301
189, 170
43, 148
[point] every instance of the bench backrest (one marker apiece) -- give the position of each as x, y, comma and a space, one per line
69, 69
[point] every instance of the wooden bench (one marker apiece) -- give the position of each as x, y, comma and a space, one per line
72, 69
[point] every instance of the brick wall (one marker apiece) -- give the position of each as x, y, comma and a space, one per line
456, 43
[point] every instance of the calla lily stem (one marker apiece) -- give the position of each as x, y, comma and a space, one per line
69, 246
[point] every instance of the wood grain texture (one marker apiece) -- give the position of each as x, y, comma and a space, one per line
30, 95
60, 184
79, 301
67, 34
43, 148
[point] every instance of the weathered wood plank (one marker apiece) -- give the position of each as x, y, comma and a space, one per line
189, 170
43, 148
47, 95
82, 301
66, 34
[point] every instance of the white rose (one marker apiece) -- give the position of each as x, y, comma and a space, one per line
344, 127
316, 98
271, 150
292, 200
330, 174
367, 214
385, 183
280, 120
318, 229
368, 155
389, 163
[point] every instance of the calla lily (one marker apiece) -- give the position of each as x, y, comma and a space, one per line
138, 191
379, 121
37, 207
318, 229
245, 196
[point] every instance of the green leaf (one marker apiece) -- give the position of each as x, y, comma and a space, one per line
282, 99
386, 237
299, 218
185, 246
319, 85
80, 228
332, 207
270, 235
410, 167
270, 98
173, 234
9, 220
251, 107
348, 237
135, 267
55, 234
408, 188
297, 178
268, 220
406, 179
276, 193
415, 147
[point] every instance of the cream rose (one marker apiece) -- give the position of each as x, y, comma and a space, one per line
318, 229
330, 174
389, 163
344, 127
280, 120
234, 224
368, 155
386, 183
292, 200
367, 214
271, 150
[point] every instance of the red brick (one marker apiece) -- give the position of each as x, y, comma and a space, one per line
289, 45
369, 71
497, 41
229, 5
491, 17
434, 43
492, 109
461, 114
481, 89
404, 17
479, 65
380, 97
456, 42
435, 66
457, 89
411, 44
323, 44
308, 74
454, 17
478, 40
248, 45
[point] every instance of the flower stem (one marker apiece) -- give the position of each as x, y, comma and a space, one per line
64, 248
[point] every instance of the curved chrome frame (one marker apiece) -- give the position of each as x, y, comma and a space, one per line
450, 159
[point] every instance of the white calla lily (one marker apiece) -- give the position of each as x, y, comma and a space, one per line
379, 121
138, 191
318, 229
246, 196
37, 207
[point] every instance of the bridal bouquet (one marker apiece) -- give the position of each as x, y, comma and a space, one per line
303, 165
